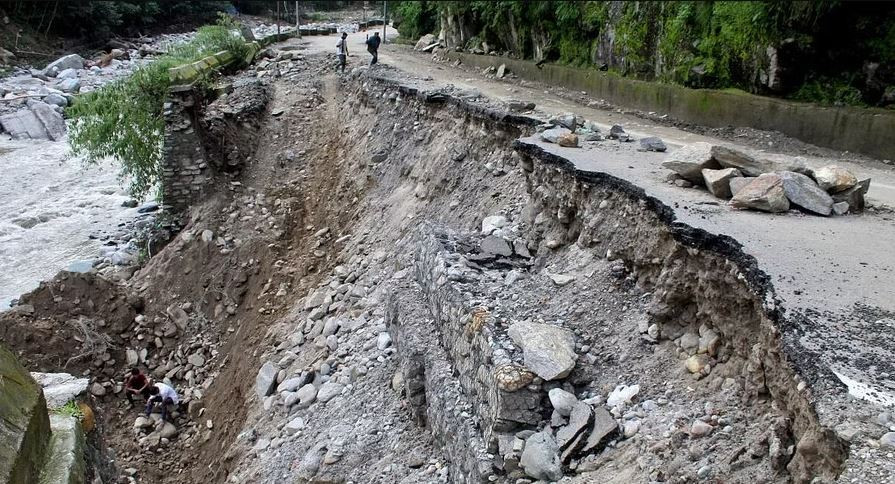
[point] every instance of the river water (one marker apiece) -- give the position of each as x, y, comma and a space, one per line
50, 206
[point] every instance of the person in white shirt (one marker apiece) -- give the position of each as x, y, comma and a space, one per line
164, 396
342, 51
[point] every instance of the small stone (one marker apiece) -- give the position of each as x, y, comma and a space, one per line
631, 428
266, 380
168, 431
196, 360
617, 132
295, 425
552, 135
567, 120
306, 395
840, 208
622, 394
700, 429
568, 140
652, 144
887, 441
697, 363
540, 459
704, 472
492, 223
329, 390
561, 279
383, 341
97, 389
562, 401
143, 423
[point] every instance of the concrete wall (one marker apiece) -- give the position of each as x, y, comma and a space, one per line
862, 130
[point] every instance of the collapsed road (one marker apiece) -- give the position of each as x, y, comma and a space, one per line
408, 284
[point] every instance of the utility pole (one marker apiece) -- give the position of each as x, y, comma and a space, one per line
384, 18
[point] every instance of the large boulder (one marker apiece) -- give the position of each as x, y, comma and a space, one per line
23, 124
718, 181
425, 41
689, 161
834, 179
764, 193
69, 85
50, 118
540, 459
549, 351
60, 388
24, 423
751, 164
802, 191
737, 184
71, 61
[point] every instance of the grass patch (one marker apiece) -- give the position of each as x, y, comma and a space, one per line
70, 409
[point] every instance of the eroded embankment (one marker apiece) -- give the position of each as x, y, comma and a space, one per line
698, 284
351, 267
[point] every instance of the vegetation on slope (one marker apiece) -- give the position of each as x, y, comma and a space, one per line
825, 50
124, 119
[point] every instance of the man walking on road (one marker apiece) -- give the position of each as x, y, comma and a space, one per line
373, 47
342, 50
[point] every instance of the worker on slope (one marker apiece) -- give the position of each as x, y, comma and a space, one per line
163, 396
373, 47
136, 384
342, 51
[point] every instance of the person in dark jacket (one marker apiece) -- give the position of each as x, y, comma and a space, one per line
373, 47
136, 384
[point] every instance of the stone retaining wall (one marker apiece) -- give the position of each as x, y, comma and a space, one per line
184, 168
436, 396
467, 335
862, 130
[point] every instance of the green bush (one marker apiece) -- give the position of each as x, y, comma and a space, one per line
415, 19
124, 119
830, 92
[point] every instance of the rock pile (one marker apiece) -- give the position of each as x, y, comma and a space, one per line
568, 130
35, 98
765, 182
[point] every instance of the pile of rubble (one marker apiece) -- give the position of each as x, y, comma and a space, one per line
568, 130
771, 183
33, 100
